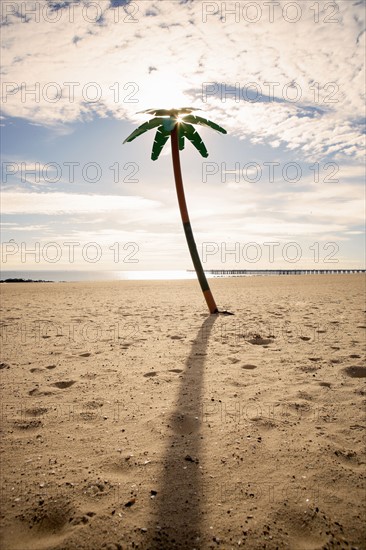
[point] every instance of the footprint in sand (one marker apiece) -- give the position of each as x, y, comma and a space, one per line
119, 467
36, 411
86, 354
355, 372
348, 456
176, 370
4, 366
27, 424
259, 341
150, 374
249, 367
309, 368
49, 367
264, 422
355, 356
37, 392
95, 404
35, 369
64, 384
303, 530
48, 523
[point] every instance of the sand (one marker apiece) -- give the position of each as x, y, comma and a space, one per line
131, 419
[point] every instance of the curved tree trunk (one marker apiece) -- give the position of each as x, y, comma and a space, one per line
187, 225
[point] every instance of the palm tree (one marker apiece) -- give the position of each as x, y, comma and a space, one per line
177, 124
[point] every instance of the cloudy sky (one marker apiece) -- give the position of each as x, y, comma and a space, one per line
284, 188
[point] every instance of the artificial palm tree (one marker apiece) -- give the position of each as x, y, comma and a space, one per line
177, 124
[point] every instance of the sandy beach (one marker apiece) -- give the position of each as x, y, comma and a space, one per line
132, 419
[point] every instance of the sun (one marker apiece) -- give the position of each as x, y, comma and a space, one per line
162, 89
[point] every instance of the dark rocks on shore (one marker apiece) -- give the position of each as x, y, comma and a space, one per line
24, 281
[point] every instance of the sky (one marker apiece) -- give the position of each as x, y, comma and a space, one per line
284, 188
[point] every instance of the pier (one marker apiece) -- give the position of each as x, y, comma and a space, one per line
243, 272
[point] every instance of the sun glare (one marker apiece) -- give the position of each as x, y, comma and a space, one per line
163, 90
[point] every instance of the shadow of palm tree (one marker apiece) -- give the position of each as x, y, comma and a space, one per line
176, 520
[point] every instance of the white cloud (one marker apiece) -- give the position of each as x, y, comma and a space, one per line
166, 58
30, 228
67, 203
170, 58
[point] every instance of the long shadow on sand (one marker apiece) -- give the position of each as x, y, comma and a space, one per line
177, 508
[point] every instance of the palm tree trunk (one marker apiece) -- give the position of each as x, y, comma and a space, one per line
187, 225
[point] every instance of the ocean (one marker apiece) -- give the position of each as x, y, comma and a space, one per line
168, 275
77, 276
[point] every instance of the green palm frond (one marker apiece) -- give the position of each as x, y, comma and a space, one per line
194, 137
168, 119
144, 128
161, 137
180, 137
203, 122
